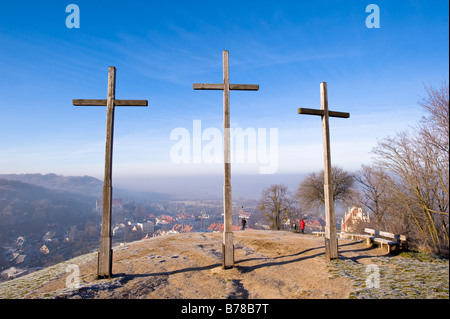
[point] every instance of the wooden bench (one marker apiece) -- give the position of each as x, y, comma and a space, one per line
375, 236
368, 238
319, 233
390, 240
322, 234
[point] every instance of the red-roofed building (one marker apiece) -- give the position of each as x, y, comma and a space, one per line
182, 228
164, 219
243, 214
313, 224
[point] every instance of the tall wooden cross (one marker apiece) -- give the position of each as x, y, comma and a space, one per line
104, 268
331, 244
227, 247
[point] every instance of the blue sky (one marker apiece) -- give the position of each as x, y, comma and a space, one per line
160, 48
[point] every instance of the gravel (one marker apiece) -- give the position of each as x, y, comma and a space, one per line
20, 287
395, 278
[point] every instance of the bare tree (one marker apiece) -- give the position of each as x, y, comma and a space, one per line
374, 197
310, 192
419, 164
435, 127
277, 204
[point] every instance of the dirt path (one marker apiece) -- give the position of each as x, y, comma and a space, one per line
269, 264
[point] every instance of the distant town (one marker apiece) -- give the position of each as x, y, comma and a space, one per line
131, 222
48, 219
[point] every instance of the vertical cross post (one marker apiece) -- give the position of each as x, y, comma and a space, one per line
227, 247
330, 227
105, 248
331, 243
105, 254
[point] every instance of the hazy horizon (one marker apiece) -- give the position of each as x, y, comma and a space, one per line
245, 186
194, 186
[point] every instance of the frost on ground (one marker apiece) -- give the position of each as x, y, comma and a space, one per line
268, 265
395, 278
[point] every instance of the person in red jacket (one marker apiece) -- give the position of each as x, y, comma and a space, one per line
302, 225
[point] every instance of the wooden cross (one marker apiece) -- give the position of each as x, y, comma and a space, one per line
104, 268
331, 244
227, 247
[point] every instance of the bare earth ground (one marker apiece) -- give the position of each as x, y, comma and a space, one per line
269, 265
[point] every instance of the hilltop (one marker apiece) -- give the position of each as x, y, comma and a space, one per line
81, 185
269, 264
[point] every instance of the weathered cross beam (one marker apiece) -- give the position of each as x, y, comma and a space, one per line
331, 244
104, 268
227, 247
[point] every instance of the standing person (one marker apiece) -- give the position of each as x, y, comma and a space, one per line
302, 225
243, 223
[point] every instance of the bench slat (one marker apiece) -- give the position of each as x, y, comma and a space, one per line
385, 234
386, 241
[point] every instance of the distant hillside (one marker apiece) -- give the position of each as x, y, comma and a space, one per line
26, 209
84, 185
65, 222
